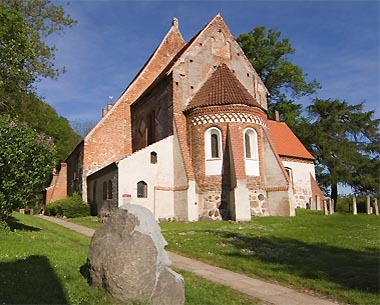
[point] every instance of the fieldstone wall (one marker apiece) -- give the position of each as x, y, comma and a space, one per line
258, 202
211, 203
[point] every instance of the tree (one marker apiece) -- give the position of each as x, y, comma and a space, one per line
44, 118
25, 57
345, 141
26, 161
284, 80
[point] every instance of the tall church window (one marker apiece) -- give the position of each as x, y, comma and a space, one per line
213, 151
94, 191
250, 144
214, 146
213, 143
142, 189
104, 190
151, 128
109, 190
251, 152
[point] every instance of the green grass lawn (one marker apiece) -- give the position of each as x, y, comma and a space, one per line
335, 255
42, 263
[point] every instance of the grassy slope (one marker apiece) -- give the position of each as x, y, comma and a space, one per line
336, 255
40, 263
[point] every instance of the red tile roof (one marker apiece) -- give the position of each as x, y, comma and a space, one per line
222, 88
286, 142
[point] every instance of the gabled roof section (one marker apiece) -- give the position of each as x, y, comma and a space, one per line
286, 142
222, 88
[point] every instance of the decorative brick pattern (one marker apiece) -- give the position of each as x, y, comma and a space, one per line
228, 118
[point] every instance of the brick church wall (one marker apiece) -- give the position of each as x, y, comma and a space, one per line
154, 107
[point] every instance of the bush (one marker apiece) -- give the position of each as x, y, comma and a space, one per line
71, 207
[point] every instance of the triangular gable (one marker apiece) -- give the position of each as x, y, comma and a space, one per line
170, 45
216, 22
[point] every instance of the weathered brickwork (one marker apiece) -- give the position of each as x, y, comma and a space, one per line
152, 115
75, 170
202, 108
58, 186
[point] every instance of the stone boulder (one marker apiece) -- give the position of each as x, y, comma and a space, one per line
127, 259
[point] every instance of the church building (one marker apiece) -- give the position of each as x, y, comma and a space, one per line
190, 139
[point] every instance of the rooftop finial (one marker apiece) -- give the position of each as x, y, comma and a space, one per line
175, 22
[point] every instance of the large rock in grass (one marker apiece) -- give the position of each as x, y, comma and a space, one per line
127, 259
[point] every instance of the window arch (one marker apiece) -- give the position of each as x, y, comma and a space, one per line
250, 144
213, 143
109, 193
213, 151
251, 152
142, 189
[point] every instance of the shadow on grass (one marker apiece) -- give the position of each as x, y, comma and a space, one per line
348, 268
14, 224
30, 281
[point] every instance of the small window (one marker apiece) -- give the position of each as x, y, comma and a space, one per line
153, 157
104, 190
142, 189
109, 193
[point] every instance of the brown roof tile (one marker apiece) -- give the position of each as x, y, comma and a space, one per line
222, 88
286, 142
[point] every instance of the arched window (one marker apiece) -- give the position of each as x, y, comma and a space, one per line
104, 190
142, 189
214, 146
153, 157
94, 191
290, 173
250, 143
213, 151
109, 194
213, 143
251, 152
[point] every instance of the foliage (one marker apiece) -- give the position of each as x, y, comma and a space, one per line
25, 56
285, 81
43, 117
43, 260
326, 254
26, 162
70, 207
345, 204
345, 141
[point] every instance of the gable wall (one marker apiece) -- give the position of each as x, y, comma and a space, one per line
111, 138
210, 48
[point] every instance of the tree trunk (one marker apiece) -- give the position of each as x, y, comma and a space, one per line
334, 194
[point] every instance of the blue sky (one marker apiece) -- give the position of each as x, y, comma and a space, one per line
336, 42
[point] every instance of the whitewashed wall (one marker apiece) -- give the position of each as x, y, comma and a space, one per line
301, 181
165, 175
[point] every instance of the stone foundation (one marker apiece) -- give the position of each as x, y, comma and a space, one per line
258, 203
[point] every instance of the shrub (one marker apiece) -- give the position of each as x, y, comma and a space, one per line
71, 207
